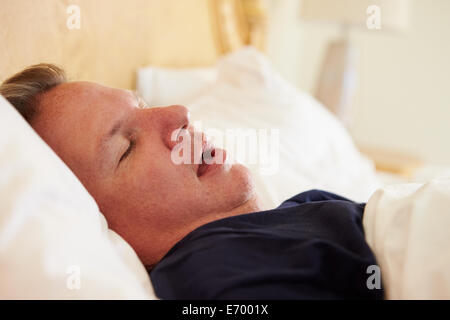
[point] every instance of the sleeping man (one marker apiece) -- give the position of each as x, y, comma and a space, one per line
197, 227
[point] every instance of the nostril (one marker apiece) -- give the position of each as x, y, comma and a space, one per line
182, 132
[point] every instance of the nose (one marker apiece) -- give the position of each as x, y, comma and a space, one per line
169, 119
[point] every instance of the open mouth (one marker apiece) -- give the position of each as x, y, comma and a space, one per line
211, 159
204, 166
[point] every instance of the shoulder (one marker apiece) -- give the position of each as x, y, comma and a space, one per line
316, 195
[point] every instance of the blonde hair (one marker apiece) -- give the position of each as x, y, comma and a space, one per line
22, 90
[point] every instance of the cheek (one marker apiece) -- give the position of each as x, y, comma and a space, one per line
161, 184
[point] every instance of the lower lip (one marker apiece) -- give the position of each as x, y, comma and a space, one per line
211, 168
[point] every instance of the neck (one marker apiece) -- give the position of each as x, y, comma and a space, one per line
251, 205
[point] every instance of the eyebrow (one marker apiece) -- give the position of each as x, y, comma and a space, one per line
139, 99
116, 128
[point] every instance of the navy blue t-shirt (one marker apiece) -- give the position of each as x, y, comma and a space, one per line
311, 247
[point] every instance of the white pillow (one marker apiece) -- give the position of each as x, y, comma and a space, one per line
54, 242
163, 86
315, 150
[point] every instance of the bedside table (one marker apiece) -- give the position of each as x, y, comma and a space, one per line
390, 161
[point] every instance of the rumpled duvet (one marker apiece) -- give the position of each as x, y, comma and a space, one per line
408, 228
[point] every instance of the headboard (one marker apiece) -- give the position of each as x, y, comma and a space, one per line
115, 37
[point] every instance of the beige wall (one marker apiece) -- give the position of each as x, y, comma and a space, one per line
403, 99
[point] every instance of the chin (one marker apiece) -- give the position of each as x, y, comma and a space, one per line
228, 188
242, 186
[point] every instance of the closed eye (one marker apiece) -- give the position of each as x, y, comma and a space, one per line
128, 151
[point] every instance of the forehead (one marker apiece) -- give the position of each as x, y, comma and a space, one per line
84, 106
77, 98
73, 116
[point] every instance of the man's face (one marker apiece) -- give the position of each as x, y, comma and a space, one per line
121, 152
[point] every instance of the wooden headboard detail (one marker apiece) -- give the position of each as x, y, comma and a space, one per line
116, 37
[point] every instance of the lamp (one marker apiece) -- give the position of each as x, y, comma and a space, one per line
337, 80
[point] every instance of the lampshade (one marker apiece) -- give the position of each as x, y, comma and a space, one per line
393, 14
